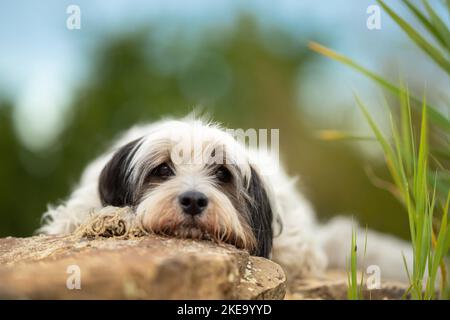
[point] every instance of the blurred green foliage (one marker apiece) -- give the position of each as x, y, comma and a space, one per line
242, 77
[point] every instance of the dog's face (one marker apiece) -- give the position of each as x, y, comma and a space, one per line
191, 180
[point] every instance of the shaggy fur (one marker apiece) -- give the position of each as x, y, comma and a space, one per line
151, 165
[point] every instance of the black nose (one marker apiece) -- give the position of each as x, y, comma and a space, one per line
193, 202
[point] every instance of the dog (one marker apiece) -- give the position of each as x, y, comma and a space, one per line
191, 178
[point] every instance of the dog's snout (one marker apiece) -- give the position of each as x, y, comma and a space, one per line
193, 202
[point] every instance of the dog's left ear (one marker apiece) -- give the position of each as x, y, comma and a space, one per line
260, 215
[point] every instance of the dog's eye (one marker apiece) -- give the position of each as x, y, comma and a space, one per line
223, 175
162, 171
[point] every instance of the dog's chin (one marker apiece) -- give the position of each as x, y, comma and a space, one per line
189, 228
192, 233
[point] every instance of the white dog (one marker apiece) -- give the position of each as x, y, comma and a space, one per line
189, 178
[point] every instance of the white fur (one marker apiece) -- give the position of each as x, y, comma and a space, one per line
303, 247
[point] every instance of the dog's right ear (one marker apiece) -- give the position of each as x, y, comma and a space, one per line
115, 187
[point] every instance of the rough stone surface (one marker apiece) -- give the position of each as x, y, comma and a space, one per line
333, 286
149, 267
153, 267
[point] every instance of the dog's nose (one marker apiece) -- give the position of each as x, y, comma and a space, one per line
193, 202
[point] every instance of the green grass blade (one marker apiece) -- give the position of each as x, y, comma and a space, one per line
361, 285
441, 248
427, 47
352, 273
442, 181
426, 23
354, 265
439, 25
422, 164
391, 158
406, 129
400, 170
411, 218
434, 115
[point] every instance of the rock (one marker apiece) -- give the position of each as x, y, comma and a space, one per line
333, 286
149, 267
256, 283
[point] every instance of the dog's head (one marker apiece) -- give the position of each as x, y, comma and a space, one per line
192, 180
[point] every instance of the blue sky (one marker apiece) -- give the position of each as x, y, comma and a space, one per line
41, 61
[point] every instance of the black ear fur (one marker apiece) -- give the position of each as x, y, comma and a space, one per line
114, 187
260, 216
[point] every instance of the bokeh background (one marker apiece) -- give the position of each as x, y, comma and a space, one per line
65, 94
